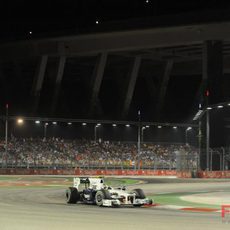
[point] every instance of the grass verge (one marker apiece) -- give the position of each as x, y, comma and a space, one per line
174, 199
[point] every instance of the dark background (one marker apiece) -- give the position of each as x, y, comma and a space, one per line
58, 18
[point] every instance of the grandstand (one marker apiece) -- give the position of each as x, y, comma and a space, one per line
55, 153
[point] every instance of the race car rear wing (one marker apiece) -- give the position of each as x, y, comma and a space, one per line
94, 183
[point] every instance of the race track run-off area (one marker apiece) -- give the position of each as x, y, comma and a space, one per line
38, 202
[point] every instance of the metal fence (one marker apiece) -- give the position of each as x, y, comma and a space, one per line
218, 159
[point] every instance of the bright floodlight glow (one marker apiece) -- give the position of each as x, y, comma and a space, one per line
146, 1
69, 123
37, 122
46, 124
114, 125
84, 124
209, 108
220, 106
174, 127
97, 21
159, 126
30, 32
20, 121
54, 122
127, 125
189, 128
147, 126
98, 124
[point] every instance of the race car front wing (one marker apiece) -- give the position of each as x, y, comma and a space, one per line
117, 202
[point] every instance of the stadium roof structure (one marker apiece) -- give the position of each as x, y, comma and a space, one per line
162, 71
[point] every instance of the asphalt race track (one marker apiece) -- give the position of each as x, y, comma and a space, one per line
45, 208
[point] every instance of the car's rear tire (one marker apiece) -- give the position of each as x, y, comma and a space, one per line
100, 195
72, 195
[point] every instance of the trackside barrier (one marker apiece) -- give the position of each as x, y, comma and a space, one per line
187, 174
214, 174
95, 172
126, 172
98, 172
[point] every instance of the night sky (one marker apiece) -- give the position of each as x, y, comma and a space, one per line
18, 18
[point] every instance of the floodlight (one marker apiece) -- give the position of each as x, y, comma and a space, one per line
20, 121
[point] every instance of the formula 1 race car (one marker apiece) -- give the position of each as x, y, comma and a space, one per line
94, 191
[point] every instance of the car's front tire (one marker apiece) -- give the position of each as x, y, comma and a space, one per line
100, 195
72, 195
139, 195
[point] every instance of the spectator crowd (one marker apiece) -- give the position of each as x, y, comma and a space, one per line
59, 153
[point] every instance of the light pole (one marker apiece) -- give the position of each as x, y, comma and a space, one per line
142, 132
139, 139
186, 134
223, 164
199, 145
95, 131
45, 129
6, 135
199, 116
207, 139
